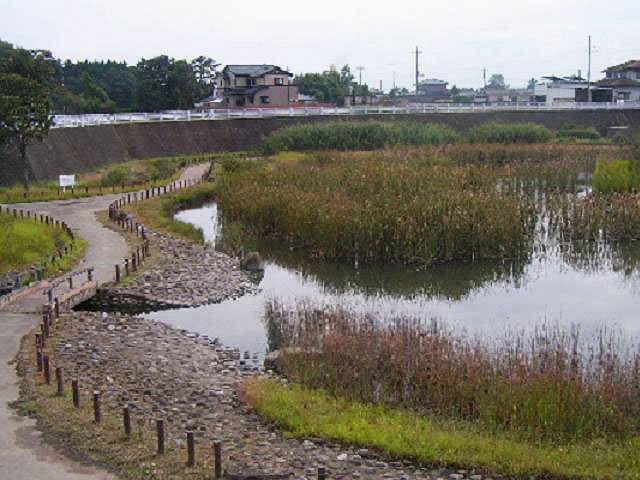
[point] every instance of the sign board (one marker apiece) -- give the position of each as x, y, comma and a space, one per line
67, 180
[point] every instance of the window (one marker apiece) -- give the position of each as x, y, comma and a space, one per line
253, 82
265, 99
278, 81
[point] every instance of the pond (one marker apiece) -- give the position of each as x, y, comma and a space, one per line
591, 289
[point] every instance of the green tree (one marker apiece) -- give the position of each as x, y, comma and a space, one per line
531, 84
24, 115
497, 81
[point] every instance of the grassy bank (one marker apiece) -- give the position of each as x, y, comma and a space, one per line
376, 208
157, 214
122, 177
404, 434
26, 242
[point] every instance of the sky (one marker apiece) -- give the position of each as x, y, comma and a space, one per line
520, 39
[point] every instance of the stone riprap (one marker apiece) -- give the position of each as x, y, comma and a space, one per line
184, 274
191, 382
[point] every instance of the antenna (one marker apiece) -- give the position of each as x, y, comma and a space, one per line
417, 52
360, 69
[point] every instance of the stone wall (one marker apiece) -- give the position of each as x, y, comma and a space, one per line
74, 150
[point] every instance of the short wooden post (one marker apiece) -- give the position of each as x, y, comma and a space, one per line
117, 273
60, 381
217, 455
47, 372
56, 307
45, 328
75, 393
126, 418
70, 281
39, 359
134, 264
97, 416
321, 473
160, 432
126, 267
191, 454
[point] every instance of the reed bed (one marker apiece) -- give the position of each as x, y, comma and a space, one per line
372, 209
356, 136
617, 176
509, 133
549, 385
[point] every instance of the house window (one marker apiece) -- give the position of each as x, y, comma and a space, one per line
253, 82
250, 100
265, 99
278, 81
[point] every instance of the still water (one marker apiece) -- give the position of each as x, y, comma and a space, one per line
481, 297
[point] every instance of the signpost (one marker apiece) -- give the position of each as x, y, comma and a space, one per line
67, 181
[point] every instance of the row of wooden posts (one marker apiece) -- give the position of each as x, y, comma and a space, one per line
143, 251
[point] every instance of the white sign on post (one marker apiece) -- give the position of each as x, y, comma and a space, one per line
67, 181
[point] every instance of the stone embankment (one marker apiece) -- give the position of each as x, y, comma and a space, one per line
191, 382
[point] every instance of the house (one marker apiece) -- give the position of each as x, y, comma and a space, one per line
552, 90
433, 89
255, 86
621, 83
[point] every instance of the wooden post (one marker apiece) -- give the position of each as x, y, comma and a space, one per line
75, 393
39, 359
191, 454
60, 381
47, 372
126, 267
56, 307
126, 418
134, 265
117, 273
160, 432
217, 454
321, 473
70, 281
97, 416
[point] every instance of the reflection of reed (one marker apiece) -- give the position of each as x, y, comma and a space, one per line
550, 383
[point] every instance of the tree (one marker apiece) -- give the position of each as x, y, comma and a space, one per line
497, 81
24, 115
531, 85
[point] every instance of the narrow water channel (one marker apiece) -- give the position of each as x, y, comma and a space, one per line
484, 297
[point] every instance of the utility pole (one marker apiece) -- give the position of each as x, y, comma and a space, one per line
589, 74
484, 77
417, 52
359, 74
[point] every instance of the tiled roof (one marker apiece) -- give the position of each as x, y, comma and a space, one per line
618, 82
630, 65
252, 70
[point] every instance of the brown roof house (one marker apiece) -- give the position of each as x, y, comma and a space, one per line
255, 86
622, 83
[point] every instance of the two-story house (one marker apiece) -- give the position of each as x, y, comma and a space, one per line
255, 86
621, 82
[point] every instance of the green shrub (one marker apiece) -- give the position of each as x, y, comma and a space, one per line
509, 133
356, 136
578, 133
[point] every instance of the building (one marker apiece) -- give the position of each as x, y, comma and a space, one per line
255, 86
433, 90
552, 90
621, 83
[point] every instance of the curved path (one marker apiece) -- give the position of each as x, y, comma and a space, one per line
23, 453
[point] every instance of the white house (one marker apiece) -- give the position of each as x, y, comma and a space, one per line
552, 90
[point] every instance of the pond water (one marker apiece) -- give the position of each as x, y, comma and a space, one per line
552, 285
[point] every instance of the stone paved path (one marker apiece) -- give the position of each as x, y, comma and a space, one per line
23, 455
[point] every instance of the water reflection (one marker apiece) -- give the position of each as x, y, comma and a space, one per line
590, 284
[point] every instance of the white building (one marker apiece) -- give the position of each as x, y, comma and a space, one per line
552, 90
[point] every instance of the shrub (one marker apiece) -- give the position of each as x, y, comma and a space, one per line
578, 133
509, 133
616, 176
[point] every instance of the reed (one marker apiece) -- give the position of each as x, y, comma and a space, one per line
356, 136
551, 384
617, 176
509, 133
375, 209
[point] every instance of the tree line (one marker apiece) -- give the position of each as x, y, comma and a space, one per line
159, 83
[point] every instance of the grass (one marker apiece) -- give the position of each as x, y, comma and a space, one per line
356, 136
404, 434
131, 458
617, 176
26, 242
551, 385
157, 214
375, 208
122, 177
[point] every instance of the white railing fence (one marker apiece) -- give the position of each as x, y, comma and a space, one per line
63, 121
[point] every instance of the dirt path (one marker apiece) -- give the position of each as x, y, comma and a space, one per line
23, 454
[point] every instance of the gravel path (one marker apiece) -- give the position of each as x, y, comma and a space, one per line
23, 455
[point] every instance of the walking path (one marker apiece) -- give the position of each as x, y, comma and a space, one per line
23, 454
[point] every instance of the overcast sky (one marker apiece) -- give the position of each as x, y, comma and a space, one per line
521, 39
